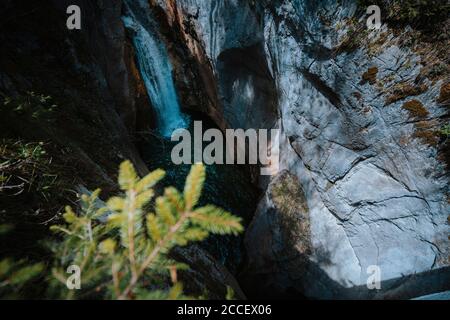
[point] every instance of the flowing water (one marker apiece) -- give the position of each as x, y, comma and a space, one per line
156, 72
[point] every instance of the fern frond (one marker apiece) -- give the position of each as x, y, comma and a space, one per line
26, 273
175, 292
107, 246
69, 216
128, 256
59, 229
94, 195
116, 220
116, 204
5, 267
192, 234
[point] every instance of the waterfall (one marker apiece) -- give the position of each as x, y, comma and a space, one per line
156, 72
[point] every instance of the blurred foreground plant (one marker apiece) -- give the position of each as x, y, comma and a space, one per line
14, 275
121, 249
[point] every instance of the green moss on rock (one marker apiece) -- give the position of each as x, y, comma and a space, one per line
289, 200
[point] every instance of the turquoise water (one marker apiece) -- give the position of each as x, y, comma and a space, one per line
228, 186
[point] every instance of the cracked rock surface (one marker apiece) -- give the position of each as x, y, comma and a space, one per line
374, 188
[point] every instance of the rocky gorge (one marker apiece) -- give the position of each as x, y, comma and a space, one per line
363, 178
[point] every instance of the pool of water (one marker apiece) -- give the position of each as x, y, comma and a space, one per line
227, 186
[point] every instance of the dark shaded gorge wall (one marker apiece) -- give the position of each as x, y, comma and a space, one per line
92, 128
102, 107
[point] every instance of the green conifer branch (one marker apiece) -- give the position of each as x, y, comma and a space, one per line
125, 256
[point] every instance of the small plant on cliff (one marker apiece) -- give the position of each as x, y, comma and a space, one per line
445, 131
121, 249
31, 105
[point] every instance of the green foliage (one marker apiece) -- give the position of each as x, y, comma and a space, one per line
216, 220
445, 130
230, 294
32, 105
193, 187
128, 256
423, 14
27, 167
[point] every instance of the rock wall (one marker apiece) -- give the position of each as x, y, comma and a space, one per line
90, 74
362, 166
359, 115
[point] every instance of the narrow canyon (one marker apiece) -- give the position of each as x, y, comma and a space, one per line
363, 177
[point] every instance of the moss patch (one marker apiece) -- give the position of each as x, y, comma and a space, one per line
421, 15
292, 213
375, 47
444, 96
444, 155
404, 90
357, 95
415, 109
427, 137
370, 76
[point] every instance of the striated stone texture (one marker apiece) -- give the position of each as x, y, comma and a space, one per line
369, 166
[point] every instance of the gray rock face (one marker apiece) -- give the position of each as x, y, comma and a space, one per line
374, 190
